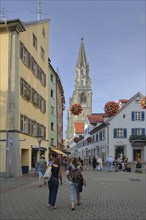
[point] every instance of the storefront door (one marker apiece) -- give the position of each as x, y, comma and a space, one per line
119, 152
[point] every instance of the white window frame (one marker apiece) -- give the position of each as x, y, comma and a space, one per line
138, 131
137, 116
120, 133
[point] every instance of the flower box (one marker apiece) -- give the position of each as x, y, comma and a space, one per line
76, 109
76, 139
89, 139
142, 102
111, 108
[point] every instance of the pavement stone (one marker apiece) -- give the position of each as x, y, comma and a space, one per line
107, 196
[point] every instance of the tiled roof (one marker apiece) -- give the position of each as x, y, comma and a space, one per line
123, 100
79, 127
94, 118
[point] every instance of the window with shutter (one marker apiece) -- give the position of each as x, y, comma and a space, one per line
97, 137
143, 131
125, 133
142, 115
137, 116
132, 116
100, 136
132, 131
115, 132
120, 133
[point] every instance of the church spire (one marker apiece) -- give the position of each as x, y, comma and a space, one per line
82, 62
82, 93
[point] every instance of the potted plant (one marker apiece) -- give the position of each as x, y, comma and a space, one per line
89, 139
76, 139
76, 109
142, 102
111, 108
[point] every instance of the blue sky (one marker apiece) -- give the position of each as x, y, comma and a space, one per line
114, 39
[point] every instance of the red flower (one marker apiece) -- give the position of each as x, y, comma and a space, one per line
89, 139
76, 109
111, 108
142, 102
76, 139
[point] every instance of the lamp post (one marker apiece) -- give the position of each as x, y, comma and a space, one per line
39, 138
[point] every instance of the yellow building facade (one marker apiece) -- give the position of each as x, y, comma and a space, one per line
23, 94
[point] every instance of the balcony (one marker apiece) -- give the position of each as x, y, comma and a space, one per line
137, 139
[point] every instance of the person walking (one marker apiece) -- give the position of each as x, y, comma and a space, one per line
123, 164
74, 174
42, 165
99, 164
36, 168
53, 184
50, 162
65, 163
138, 166
115, 162
110, 163
94, 162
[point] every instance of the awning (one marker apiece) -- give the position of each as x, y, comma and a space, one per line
57, 151
67, 152
37, 148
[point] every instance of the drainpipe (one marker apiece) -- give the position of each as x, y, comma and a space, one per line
108, 138
56, 115
8, 145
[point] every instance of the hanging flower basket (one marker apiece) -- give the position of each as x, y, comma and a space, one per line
142, 102
76, 139
76, 109
89, 139
111, 108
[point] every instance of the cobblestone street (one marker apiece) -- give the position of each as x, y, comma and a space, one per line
107, 196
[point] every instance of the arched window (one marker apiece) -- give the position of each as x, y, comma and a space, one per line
83, 98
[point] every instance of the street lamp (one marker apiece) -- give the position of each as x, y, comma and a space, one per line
39, 138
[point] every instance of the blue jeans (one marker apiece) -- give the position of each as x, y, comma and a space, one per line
53, 185
74, 191
41, 173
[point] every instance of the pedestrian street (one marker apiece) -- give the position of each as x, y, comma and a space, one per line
107, 196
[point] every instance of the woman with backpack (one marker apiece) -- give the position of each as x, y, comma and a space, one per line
75, 174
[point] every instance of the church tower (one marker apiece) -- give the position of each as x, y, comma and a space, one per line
82, 93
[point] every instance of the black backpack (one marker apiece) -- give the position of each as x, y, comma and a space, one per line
75, 174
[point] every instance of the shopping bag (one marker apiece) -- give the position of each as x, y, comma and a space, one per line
48, 173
